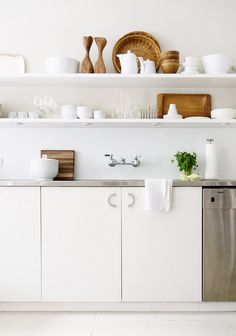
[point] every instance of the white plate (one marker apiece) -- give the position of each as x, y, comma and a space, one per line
11, 64
197, 118
178, 116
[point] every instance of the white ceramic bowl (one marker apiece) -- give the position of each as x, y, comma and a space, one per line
217, 64
84, 112
44, 169
59, 65
223, 113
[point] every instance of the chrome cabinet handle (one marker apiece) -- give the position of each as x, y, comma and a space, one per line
132, 200
110, 201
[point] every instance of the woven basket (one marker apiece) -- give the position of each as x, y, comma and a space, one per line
141, 43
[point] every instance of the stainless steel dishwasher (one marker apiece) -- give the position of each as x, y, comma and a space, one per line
219, 244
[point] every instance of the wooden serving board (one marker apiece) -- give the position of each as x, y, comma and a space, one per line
189, 105
66, 160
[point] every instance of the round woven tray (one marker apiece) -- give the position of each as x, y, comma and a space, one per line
141, 43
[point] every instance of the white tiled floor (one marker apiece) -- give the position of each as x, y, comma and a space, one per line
113, 324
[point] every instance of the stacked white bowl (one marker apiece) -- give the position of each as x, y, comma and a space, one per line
223, 113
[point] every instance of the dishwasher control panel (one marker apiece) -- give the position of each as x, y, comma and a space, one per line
219, 198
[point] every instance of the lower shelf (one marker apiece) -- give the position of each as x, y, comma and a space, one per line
116, 123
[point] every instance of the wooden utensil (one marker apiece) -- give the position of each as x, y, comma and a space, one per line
66, 160
86, 65
99, 65
188, 105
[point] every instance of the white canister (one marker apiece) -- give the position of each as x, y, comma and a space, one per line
211, 160
84, 112
69, 111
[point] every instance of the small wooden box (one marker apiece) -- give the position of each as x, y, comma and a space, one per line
66, 160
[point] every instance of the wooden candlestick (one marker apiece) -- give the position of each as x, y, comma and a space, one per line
99, 65
86, 65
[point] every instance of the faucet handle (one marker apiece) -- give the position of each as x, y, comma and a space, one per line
136, 161
112, 162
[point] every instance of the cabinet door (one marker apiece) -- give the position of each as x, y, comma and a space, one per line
20, 278
81, 237
162, 250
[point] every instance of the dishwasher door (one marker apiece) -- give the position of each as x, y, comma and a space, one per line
219, 244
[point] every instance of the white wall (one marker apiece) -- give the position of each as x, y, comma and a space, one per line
41, 28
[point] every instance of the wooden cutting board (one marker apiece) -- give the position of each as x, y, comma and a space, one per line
189, 105
66, 160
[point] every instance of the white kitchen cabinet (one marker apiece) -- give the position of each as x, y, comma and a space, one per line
81, 244
161, 252
20, 244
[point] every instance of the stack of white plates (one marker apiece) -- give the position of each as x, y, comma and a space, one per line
223, 113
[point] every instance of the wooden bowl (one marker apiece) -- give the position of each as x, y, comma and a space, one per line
169, 66
164, 58
172, 54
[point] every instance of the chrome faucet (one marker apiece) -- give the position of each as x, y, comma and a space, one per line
113, 162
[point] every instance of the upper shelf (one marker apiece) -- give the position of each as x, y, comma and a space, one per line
119, 80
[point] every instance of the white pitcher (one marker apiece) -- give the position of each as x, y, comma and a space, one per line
147, 67
128, 63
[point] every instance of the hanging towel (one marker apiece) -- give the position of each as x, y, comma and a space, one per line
158, 194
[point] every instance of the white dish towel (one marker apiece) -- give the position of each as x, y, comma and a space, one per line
158, 193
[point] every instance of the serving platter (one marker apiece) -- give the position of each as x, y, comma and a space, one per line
188, 105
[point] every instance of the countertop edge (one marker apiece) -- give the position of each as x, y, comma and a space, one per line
111, 183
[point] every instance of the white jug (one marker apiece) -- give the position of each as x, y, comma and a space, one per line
147, 67
128, 63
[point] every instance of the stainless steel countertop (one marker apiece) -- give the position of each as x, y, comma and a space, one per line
111, 183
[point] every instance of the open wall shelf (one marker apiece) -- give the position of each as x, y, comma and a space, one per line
119, 80
115, 123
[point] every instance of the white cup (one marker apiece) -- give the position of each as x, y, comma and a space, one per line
22, 115
69, 111
84, 112
191, 61
99, 115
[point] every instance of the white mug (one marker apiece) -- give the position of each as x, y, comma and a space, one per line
84, 112
69, 111
99, 115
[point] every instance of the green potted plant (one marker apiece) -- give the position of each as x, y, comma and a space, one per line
187, 163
